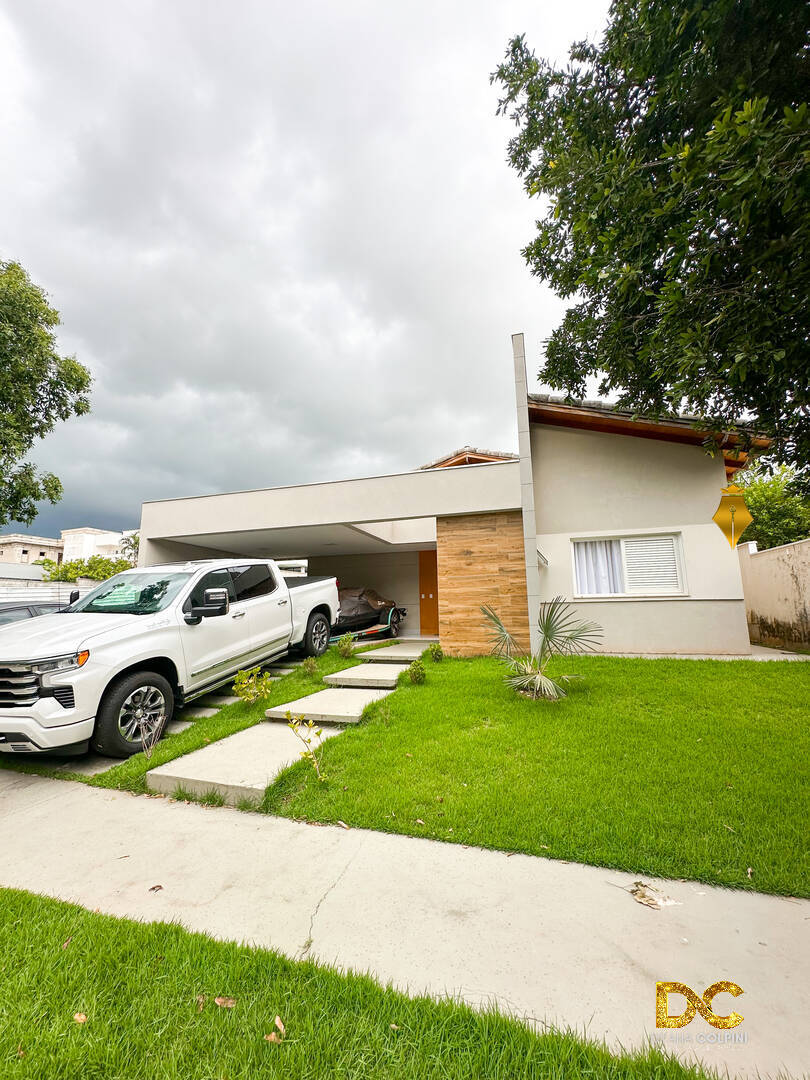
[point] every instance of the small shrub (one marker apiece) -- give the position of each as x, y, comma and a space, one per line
416, 672
436, 652
309, 666
345, 647
253, 685
561, 633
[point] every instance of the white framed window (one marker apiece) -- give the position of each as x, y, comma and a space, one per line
629, 566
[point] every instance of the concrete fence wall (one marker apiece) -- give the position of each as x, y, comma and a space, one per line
776, 584
33, 592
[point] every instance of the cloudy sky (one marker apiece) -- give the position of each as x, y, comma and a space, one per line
283, 237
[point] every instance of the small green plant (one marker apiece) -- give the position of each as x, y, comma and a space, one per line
309, 666
345, 647
560, 632
253, 685
416, 672
211, 798
436, 652
305, 731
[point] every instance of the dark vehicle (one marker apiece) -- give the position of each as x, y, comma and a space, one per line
13, 610
364, 613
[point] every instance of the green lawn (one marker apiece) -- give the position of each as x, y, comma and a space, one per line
679, 768
148, 993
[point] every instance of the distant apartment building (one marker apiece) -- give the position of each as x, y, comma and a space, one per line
81, 543
19, 548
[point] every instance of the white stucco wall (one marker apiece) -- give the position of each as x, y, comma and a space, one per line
589, 485
395, 576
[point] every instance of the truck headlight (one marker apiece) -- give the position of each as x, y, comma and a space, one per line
61, 663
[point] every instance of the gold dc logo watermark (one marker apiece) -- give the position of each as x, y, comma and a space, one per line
694, 1004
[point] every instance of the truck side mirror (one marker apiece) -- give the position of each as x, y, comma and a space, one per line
74, 596
215, 602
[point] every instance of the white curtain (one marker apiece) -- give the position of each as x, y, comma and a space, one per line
598, 567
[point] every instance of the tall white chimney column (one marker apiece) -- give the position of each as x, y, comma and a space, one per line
527, 489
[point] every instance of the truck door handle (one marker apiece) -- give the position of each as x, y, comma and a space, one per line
281, 602
238, 615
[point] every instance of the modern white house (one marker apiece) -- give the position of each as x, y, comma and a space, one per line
85, 542
611, 511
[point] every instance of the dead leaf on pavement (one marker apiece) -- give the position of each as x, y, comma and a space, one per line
66, 943
272, 1037
80, 1018
343, 825
200, 1002
279, 1025
156, 888
650, 897
225, 1002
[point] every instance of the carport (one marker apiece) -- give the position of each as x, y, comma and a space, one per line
439, 542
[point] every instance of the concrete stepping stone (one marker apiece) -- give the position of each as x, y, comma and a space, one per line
219, 700
90, 764
238, 768
281, 670
337, 705
174, 727
401, 653
381, 676
197, 712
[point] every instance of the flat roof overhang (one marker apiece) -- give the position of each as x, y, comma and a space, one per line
372, 515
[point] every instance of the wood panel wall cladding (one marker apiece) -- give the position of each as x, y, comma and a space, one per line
480, 561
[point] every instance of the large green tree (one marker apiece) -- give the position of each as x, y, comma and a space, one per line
672, 167
38, 387
780, 510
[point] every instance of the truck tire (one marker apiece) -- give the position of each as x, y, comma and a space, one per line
316, 639
144, 697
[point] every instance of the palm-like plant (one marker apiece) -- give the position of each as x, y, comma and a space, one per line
561, 633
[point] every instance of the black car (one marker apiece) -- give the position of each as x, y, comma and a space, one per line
363, 612
14, 611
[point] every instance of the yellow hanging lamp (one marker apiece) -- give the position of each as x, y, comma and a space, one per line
732, 516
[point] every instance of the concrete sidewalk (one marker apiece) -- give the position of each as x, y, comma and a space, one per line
548, 941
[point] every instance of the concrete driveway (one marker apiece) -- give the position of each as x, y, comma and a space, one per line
552, 942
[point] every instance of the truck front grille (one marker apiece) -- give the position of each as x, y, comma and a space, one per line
19, 686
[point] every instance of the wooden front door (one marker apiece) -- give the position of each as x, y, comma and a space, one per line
428, 593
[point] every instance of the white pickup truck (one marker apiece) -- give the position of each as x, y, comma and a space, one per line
109, 670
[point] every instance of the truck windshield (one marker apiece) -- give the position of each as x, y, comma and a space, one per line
143, 593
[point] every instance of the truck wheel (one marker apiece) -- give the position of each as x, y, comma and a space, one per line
316, 639
134, 710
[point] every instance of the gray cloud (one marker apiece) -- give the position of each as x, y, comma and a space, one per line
283, 237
